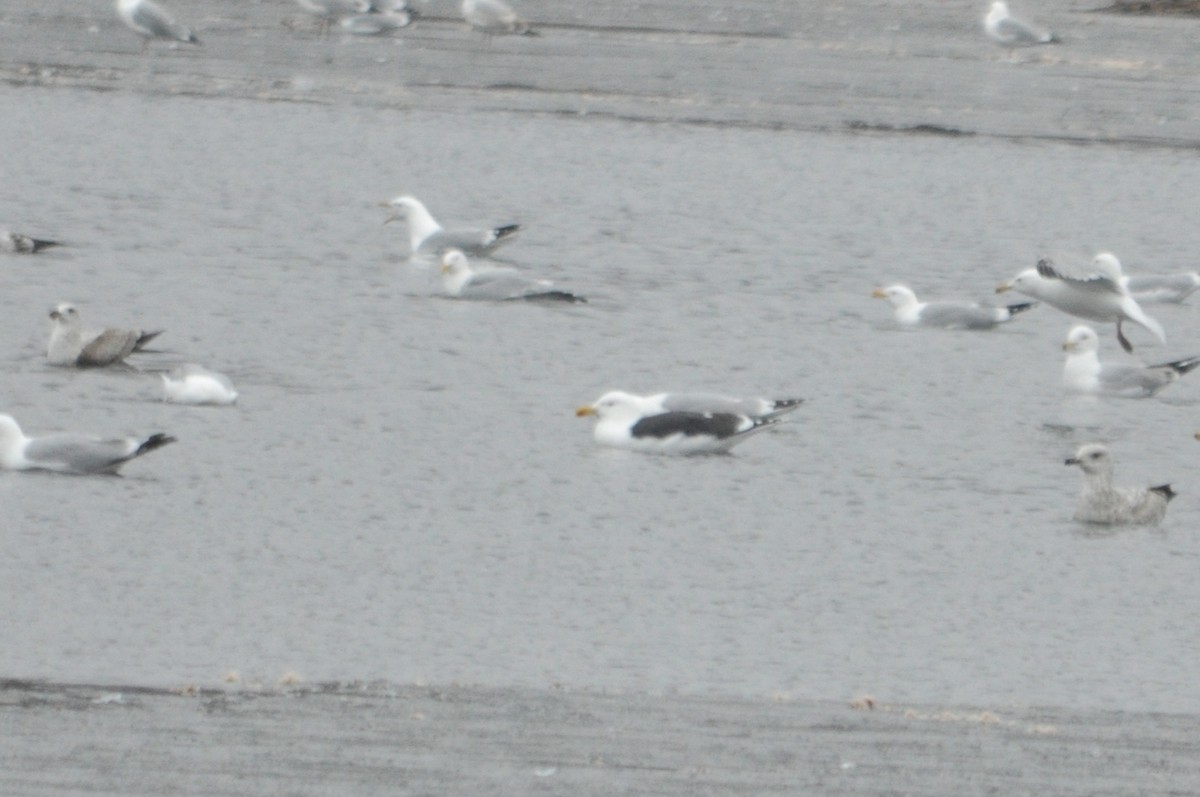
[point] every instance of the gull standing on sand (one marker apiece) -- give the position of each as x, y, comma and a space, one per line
1084, 373
382, 16
461, 281
70, 453
18, 244
70, 345
426, 236
494, 16
628, 421
150, 21
949, 315
1098, 296
328, 12
1102, 502
1005, 29
192, 384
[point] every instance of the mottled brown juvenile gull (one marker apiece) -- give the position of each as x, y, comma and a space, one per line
625, 420
70, 453
70, 345
491, 283
1095, 296
1084, 373
328, 12
193, 384
1005, 29
427, 237
151, 21
494, 17
949, 315
1102, 502
18, 244
382, 17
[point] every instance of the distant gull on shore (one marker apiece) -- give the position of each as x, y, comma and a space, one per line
946, 314
628, 421
70, 345
70, 453
382, 17
1005, 29
18, 244
327, 12
1096, 296
493, 283
151, 21
1084, 373
426, 236
193, 384
494, 17
1102, 502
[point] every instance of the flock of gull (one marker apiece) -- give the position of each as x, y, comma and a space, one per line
360, 17
668, 423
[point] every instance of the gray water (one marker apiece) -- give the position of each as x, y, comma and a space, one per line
403, 493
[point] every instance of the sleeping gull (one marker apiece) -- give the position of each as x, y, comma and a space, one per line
1162, 288
1005, 29
952, 315
492, 283
426, 236
70, 453
494, 16
192, 384
150, 21
1102, 502
1084, 373
1095, 297
628, 421
16, 243
70, 345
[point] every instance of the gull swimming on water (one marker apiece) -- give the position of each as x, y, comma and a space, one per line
70, 345
1102, 502
628, 421
1005, 29
16, 243
70, 453
462, 281
192, 384
151, 21
494, 16
1097, 296
951, 315
426, 236
1084, 373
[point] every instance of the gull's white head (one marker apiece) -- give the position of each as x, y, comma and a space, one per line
65, 314
898, 295
1106, 263
1028, 282
1081, 339
1093, 458
616, 404
456, 270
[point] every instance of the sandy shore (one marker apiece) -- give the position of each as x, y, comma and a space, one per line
457, 740
858, 66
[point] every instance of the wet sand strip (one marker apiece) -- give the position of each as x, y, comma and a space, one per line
376, 739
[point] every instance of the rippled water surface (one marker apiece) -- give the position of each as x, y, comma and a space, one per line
403, 492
